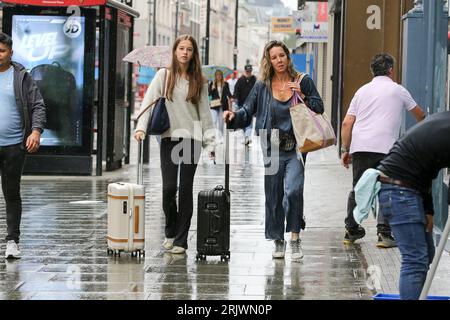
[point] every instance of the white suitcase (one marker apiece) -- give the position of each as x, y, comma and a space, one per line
126, 215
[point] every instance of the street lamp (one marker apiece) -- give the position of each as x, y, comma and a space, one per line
235, 49
151, 19
177, 8
208, 8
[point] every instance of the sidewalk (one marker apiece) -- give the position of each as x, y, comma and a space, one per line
64, 247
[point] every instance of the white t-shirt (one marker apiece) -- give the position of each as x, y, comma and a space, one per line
232, 84
378, 107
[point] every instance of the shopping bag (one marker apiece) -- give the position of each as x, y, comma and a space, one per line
312, 130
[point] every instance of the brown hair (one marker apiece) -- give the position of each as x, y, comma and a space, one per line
194, 72
266, 69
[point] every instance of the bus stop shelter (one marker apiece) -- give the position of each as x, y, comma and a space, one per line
73, 49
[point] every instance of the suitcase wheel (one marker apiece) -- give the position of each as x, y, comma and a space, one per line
200, 257
138, 253
225, 257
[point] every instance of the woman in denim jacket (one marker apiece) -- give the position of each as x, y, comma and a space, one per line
269, 101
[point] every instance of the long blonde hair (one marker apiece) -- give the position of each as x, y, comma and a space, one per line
194, 72
222, 81
267, 71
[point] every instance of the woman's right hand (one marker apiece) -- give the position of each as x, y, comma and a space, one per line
228, 116
139, 135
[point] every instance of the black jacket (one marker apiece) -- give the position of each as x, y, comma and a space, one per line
418, 156
29, 101
242, 89
226, 94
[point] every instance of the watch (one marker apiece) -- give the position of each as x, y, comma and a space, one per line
344, 149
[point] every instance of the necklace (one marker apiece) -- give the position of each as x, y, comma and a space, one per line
283, 85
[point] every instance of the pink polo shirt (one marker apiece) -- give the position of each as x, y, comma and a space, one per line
378, 107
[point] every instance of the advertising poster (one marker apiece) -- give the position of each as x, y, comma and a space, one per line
52, 49
313, 22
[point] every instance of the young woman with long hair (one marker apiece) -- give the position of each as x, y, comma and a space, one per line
219, 90
188, 109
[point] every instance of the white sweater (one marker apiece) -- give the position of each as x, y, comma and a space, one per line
186, 121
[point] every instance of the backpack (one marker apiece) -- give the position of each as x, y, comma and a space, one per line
59, 91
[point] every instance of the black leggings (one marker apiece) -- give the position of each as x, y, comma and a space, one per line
182, 156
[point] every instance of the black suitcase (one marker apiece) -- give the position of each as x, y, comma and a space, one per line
213, 218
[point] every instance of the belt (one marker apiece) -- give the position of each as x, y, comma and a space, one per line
394, 181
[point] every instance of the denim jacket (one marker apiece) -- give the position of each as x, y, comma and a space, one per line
258, 104
366, 195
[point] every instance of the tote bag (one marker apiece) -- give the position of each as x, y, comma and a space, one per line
312, 130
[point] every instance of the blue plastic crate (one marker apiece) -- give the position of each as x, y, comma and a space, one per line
389, 296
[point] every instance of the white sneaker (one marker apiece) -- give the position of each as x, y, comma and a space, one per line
280, 249
168, 243
12, 250
296, 250
177, 250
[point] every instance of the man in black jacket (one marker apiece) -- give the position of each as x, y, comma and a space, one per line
241, 91
22, 119
406, 175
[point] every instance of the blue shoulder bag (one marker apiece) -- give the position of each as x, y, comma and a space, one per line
159, 121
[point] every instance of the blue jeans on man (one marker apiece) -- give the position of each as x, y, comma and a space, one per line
403, 208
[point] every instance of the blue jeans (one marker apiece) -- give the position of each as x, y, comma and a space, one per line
403, 208
217, 116
284, 196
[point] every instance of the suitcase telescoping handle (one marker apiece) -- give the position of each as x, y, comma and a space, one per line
227, 159
140, 168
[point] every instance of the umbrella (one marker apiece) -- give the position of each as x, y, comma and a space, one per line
210, 70
150, 56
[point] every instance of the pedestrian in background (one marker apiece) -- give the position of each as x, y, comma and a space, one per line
270, 100
22, 121
241, 91
232, 81
220, 94
406, 201
369, 130
187, 105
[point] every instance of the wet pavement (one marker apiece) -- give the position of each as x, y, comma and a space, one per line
64, 252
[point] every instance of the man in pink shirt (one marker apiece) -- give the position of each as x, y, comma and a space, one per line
369, 130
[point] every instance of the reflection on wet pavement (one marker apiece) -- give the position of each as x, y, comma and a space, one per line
64, 248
